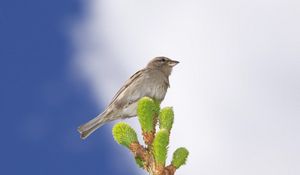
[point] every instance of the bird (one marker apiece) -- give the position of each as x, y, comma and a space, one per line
151, 81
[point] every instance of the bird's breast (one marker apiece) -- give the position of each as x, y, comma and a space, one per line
156, 89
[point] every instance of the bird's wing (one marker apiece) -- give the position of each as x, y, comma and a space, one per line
134, 78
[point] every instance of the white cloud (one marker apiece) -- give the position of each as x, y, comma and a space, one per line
236, 90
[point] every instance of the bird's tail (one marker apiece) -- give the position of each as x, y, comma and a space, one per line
88, 128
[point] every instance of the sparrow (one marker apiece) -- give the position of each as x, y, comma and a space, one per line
151, 81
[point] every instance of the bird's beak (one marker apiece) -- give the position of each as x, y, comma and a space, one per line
173, 63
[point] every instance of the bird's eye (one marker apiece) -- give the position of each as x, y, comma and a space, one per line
162, 59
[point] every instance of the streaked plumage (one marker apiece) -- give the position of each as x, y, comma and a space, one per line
152, 81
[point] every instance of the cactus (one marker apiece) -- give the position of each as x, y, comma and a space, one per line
160, 147
124, 134
166, 118
179, 157
151, 157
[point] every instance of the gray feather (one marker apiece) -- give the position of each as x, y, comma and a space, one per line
152, 81
88, 128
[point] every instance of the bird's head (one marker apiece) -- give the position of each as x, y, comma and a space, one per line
162, 63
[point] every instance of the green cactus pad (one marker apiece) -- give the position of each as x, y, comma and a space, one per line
180, 157
146, 110
166, 118
160, 146
124, 134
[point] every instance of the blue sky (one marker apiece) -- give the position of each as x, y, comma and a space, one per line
42, 102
